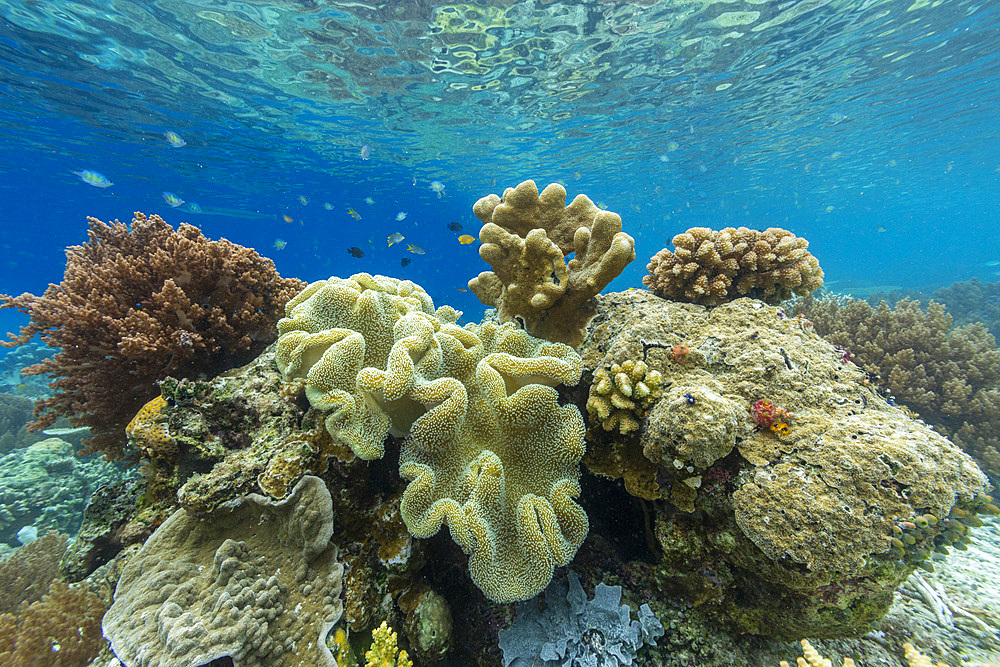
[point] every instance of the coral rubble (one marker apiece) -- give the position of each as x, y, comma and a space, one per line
526, 238
138, 304
200, 590
711, 267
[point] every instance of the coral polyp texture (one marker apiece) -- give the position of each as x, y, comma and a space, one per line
488, 451
200, 590
796, 525
621, 394
526, 238
710, 267
138, 304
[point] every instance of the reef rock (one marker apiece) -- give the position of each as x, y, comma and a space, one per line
796, 525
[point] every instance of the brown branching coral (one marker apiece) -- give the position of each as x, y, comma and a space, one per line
950, 377
136, 305
26, 575
711, 267
526, 238
63, 629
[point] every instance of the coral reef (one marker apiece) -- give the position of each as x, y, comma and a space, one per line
710, 267
565, 629
949, 376
63, 629
136, 305
46, 487
15, 413
199, 590
621, 395
28, 572
526, 237
795, 525
971, 301
489, 450
383, 652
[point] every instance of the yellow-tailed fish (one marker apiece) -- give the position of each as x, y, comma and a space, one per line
437, 187
328, 206
172, 199
395, 238
466, 239
354, 214
279, 244
174, 139
401, 216
287, 218
97, 179
415, 249
303, 200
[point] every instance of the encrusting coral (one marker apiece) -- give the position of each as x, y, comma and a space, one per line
200, 590
710, 267
489, 450
794, 525
949, 376
526, 238
136, 305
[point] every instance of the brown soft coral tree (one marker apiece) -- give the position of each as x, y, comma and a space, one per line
139, 304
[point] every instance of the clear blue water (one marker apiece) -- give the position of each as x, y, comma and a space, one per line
833, 119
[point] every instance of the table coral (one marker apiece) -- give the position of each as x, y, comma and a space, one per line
526, 238
200, 590
489, 450
711, 267
138, 304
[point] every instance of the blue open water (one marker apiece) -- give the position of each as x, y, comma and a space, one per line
833, 119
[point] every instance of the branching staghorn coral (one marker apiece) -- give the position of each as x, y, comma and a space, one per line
489, 451
138, 304
526, 238
950, 377
711, 267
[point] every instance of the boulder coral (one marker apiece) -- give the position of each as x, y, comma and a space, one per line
526, 239
200, 590
797, 524
711, 267
488, 451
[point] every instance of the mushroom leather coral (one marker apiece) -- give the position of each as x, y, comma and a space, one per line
526, 238
490, 452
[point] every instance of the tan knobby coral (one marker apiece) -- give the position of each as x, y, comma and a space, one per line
526, 238
621, 395
257, 581
711, 267
489, 450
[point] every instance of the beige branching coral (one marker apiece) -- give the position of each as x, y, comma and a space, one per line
490, 452
526, 238
711, 267
621, 395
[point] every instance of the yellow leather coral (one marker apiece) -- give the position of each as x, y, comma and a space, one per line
490, 452
711, 267
526, 238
